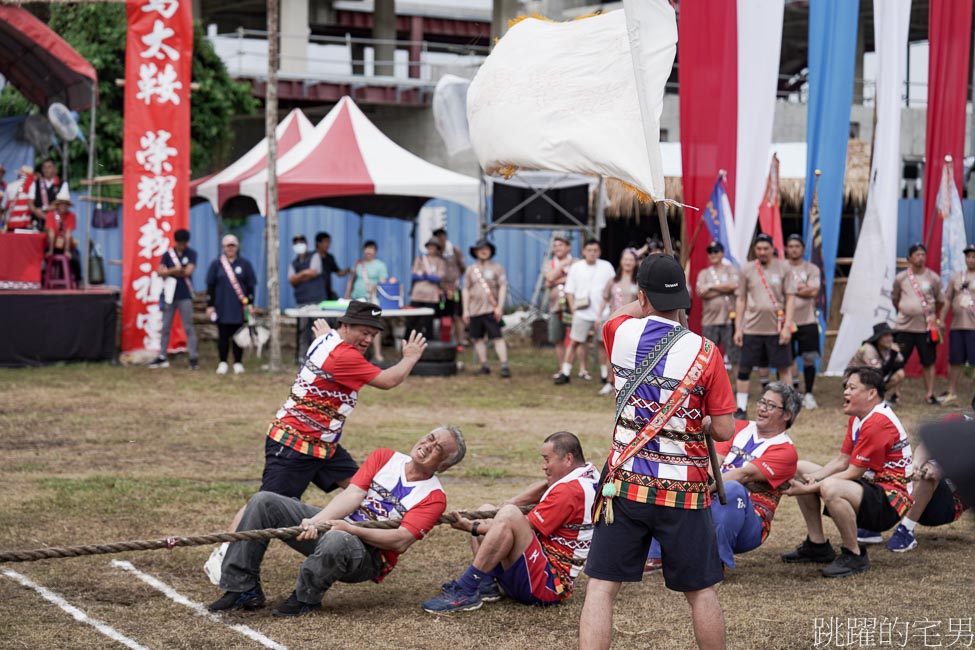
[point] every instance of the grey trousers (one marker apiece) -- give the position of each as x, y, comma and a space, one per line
185, 308
336, 556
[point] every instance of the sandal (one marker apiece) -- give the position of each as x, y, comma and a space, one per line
585, 376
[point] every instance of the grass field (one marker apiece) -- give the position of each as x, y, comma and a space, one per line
100, 453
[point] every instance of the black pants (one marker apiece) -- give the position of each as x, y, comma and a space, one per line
226, 333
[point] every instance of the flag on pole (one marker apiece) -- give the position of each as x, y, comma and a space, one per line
953, 238
718, 217
769, 211
816, 256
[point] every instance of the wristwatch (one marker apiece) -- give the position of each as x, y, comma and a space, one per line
474, 528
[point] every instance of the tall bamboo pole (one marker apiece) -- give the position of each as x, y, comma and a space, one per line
271, 230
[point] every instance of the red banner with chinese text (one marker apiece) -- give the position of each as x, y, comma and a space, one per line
156, 159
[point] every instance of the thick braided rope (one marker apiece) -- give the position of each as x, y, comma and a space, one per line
204, 540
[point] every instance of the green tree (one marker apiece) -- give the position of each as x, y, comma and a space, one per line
97, 32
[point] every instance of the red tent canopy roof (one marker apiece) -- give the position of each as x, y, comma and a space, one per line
41, 65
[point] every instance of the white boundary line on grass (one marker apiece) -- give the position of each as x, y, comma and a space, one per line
198, 608
75, 613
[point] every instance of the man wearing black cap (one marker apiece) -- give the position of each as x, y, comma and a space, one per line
917, 298
485, 290
805, 339
763, 329
302, 444
961, 339
716, 286
672, 390
882, 354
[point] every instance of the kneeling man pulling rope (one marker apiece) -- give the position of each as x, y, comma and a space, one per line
388, 486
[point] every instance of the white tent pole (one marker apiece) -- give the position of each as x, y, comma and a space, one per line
271, 229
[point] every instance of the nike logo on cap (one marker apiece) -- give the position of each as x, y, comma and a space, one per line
376, 313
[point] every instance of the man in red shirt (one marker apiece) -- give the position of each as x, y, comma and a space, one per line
59, 224
533, 557
390, 486
864, 486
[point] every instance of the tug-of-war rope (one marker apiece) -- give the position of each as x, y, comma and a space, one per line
216, 538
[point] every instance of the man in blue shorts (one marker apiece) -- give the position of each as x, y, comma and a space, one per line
672, 391
535, 557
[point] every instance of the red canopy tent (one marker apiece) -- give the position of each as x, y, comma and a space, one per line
41, 65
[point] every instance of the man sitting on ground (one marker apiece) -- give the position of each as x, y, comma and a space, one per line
880, 352
757, 466
533, 557
865, 485
389, 486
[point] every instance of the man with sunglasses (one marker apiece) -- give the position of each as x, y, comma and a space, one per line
757, 465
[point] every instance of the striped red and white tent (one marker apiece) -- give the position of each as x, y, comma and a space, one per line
348, 163
223, 186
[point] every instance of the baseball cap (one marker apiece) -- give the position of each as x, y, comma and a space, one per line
763, 237
360, 312
662, 281
795, 237
969, 249
715, 247
562, 236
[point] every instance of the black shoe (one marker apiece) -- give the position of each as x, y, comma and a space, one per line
159, 362
932, 400
505, 372
484, 370
194, 364
741, 414
810, 552
294, 607
248, 600
561, 380
847, 564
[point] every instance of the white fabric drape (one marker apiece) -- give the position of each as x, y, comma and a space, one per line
867, 297
759, 45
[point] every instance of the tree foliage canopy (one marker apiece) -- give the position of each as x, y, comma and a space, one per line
97, 32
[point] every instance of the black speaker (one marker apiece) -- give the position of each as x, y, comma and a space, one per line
539, 212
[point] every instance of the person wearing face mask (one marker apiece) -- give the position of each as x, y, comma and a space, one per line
305, 277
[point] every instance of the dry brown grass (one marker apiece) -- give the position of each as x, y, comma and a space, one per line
95, 453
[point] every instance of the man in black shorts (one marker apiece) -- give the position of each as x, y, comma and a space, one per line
484, 293
679, 393
454, 259
864, 486
806, 279
764, 309
917, 298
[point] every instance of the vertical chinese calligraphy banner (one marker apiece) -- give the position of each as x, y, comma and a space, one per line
156, 167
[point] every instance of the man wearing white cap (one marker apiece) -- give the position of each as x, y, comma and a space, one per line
59, 224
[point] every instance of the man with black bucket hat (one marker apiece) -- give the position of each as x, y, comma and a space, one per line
302, 444
881, 353
672, 391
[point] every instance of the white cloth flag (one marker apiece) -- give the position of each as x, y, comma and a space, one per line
953, 238
565, 96
867, 298
759, 46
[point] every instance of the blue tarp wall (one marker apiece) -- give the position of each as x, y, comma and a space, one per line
519, 251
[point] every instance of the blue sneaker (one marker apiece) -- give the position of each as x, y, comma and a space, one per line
246, 600
452, 599
489, 591
865, 536
902, 540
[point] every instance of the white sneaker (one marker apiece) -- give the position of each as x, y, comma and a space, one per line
214, 564
238, 368
809, 402
222, 368
606, 389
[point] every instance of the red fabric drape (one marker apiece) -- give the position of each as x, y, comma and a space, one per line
707, 54
949, 31
156, 167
